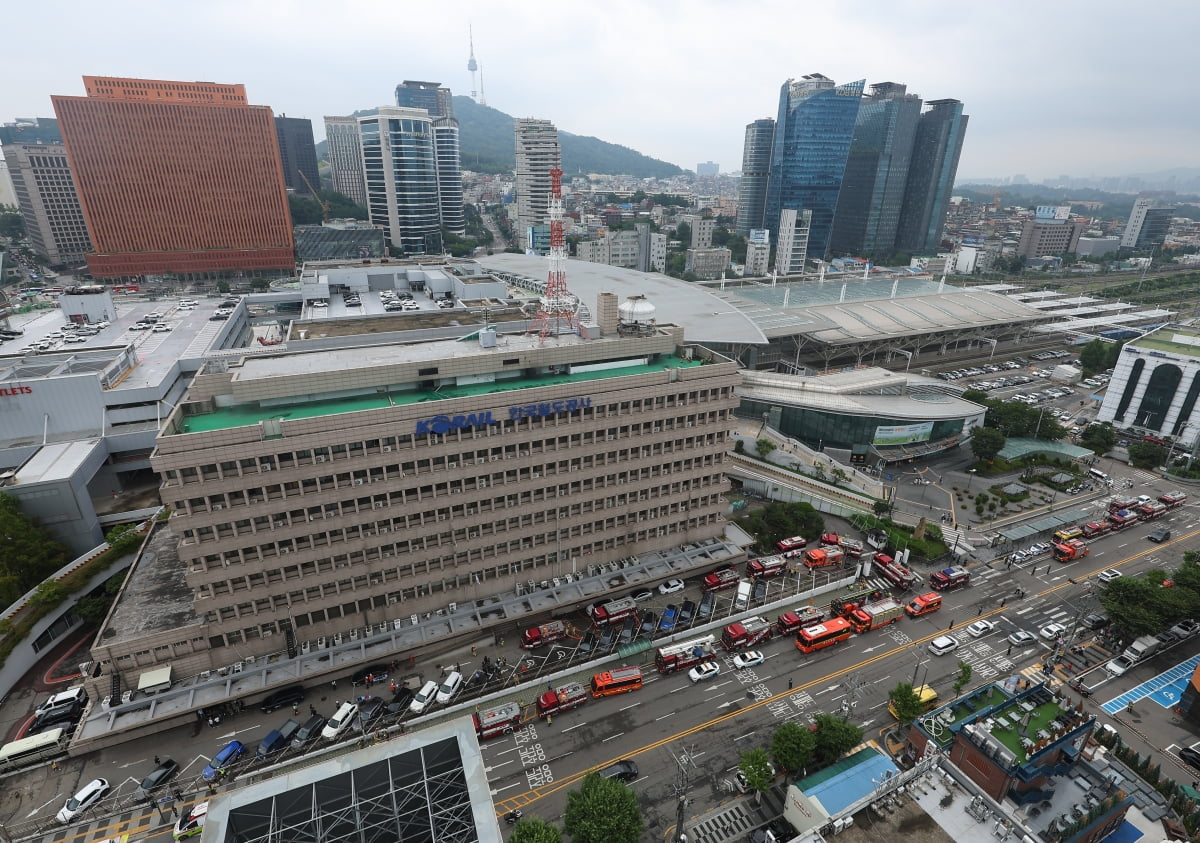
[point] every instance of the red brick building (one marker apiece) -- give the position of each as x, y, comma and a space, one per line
178, 177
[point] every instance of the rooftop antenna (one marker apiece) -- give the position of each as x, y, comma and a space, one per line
472, 65
558, 303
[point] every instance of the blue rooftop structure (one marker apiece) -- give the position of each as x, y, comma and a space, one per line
848, 781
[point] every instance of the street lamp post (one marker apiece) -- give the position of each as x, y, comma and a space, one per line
970, 476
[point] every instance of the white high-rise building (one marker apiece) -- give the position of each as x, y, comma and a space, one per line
792, 248
344, 148
537, 153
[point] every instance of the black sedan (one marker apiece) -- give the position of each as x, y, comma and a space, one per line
158, 777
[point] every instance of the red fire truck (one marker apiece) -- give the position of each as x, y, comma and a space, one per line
823, 557
1118, 505
852, 547
894, 572
924, 604
949, 579
613, 611
720, 580
749, 632
1122, 518
1070, 551
542, 635
681, 656
874, 615
790, 544
1096, 529
1173, 500
1151, 511
566, 697
767, 567
497, 720
790, 622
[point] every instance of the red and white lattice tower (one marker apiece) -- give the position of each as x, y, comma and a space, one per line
558, 303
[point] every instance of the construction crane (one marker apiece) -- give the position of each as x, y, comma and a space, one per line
316, 197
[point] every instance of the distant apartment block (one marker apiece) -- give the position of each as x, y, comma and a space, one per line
708, 168
758, 256
791, 250
707, 264
45, 191
1051, 231
702, 230
343, 147
639, 249
176, 177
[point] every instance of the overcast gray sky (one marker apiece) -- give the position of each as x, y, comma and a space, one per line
1084, 88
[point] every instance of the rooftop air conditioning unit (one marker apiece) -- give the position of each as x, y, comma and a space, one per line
106, 703
126, 696
354, 635
305, 647
337, 639
238, 667
252, 659
218, 506
222, 671
320, 459
321, 642
205, 674
387, 449
264, 468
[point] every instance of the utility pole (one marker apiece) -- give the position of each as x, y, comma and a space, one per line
684, 760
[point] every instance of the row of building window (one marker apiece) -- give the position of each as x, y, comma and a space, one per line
357, 609
371, 447
480, 473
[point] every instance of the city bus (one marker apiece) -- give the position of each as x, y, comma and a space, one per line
28, 750
619, 680
825, 634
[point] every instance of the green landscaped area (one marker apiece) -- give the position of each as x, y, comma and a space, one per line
1161, 340
225, 418
968, 706
1040, 718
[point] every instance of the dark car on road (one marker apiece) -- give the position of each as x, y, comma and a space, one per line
626, 770
215, 768
687, 613
628, 630
283, 697
608, 639
649, 623
369, 711
278, 739
760, 591
587, 643
308, 732
376, 672
708, 605
1190, 756
158, 777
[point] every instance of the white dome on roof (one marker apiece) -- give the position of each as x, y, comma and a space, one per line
637, 309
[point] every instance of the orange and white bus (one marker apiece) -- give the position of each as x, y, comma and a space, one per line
619, 680
826, 634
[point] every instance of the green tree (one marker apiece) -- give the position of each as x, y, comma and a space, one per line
987, 442
907, 703
1146, 455
222, 286
28, 554
535, 830
683, 233
603, 811
792, 746
756, 767
778, 520
1093, 357
304, 211
12, 224
964, 677
764, 447
834, 738
881, 508
1099, 438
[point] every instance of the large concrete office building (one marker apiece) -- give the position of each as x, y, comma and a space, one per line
45, 192
176, 177
317, 491
1156, 384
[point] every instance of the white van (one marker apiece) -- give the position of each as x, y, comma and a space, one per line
450, 687
942, 645
71, 698
338, 723
424, 697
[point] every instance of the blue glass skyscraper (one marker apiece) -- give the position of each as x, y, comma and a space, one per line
812, 140
868, 211
931, 173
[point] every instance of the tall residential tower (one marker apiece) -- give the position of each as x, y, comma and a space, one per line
400, 163
176, 177
343, 145
537, 153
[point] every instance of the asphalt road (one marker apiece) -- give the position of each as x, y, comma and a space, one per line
671, 723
